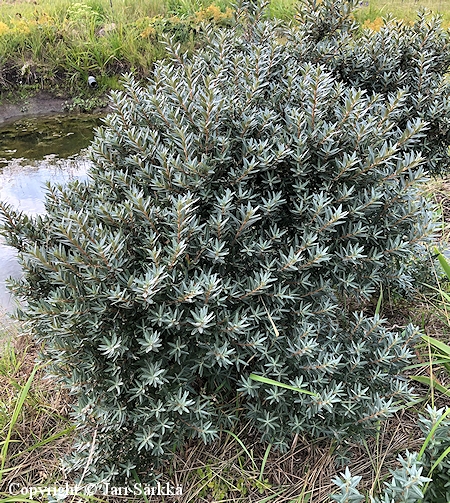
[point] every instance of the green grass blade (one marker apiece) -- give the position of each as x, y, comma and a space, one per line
16, 499
138, 480
264, 461
445, 265
17, 409
441, 346
265, 380
432, 383
271, 497
8, 470
438, 460
431, 433
437, 361
47, 440
445, 295
239, 441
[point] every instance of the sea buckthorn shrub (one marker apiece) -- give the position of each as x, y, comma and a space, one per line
244, 205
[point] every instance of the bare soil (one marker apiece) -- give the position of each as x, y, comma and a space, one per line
38, 105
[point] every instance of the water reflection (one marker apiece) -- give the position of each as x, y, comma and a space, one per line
63, 135
22, 184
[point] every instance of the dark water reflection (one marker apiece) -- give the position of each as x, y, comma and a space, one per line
39, 151
32, 139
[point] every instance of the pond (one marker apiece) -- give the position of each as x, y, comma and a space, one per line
33, 152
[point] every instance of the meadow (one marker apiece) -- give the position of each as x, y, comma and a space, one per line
56, 45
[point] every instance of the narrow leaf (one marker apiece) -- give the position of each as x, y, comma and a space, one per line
445, 265
265, 380
441, 346
17, 409
432, 383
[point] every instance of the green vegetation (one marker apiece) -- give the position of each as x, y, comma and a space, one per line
223, 264
55, 45
34, 428
401, 9
217, 210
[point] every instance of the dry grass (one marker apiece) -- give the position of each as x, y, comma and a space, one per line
438, 190
303, 474
41, 435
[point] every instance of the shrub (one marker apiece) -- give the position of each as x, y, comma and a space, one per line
256, 184
420, 477
406, 484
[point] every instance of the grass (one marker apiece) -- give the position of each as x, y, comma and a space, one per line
402, 9
55, 45
34, 425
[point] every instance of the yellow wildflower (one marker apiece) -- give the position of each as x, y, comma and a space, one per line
4, 28
148, 32
374, 25
213, 13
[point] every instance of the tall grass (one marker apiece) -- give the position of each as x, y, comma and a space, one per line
402, 9
34, 425
57, 44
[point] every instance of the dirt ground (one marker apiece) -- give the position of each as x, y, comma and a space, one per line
40, 104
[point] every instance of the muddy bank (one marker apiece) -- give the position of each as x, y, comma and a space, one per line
41, 104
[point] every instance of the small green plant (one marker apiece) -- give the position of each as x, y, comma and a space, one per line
80, 104
405, 486
437, 352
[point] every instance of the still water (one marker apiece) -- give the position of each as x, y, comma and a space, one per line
33, 152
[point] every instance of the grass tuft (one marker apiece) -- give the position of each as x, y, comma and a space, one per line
35, 431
